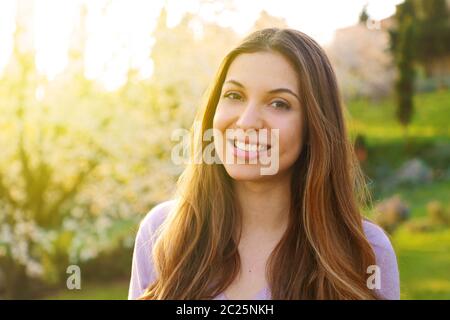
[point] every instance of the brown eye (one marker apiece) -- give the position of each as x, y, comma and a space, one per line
280, 105
232, 95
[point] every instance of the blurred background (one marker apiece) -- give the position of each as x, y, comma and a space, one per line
90, 92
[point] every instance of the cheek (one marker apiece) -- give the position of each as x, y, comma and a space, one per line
220, 119
220, 123
291, 136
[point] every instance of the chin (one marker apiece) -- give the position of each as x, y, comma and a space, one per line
245, 172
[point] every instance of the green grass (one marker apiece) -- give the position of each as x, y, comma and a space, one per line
378, 122
424, 264
117, 290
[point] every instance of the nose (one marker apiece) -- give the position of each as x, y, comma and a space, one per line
250, 118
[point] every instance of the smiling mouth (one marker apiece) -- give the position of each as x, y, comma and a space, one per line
250, 147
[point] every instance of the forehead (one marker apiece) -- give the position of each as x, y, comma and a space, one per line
263, 70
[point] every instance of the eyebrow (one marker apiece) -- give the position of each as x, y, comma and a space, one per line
271, 91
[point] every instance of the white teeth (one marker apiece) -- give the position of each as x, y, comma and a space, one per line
262, 147
250, 147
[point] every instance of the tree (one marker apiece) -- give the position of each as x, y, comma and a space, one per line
434, 31
403, 43
364, 16
60, 191
421, 36
405, 81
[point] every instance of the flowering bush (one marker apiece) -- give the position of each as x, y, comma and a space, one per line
391, 212
72, 187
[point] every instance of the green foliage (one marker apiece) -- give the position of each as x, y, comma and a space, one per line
403, 41
433, 30
421, 35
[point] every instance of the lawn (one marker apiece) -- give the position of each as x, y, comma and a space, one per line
424, 263
117, 290
377, 120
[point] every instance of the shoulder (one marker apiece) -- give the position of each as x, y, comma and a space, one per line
143, 271
153, 220
376, 235
386, 259
155, 216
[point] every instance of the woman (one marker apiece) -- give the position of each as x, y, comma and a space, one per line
235, 233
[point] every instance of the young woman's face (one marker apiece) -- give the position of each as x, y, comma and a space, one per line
260, 91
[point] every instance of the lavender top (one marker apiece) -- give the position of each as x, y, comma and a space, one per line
143, 273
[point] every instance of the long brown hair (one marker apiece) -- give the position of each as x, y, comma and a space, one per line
324, 253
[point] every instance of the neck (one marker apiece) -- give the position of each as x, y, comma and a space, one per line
265, 205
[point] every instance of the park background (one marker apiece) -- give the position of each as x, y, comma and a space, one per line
90, 92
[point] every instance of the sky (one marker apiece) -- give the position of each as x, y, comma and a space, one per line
120, 36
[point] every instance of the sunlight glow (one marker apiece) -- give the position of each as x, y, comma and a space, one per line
118, 33
53, 23
7, 27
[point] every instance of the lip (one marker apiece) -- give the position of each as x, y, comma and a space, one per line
247, 155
